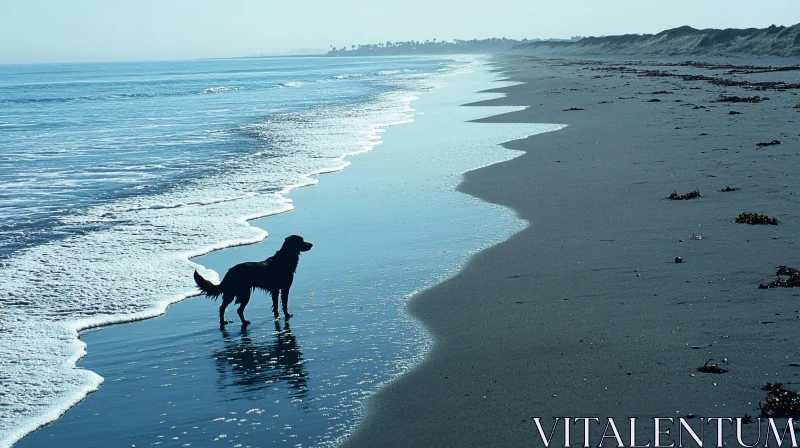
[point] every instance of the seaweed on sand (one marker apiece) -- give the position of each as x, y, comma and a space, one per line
711, 368
780, 402
791, 280
739, 99
774, 142
755, 218
690, 195
727, 189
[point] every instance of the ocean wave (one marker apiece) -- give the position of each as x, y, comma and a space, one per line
162, 206
157, 166
219, 89
113, 96
151, 238
44, 100
349, 76
391, 72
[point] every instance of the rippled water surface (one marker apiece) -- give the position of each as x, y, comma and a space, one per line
123, 170
118, 174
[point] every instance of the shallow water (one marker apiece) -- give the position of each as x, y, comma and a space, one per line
113, 172
386, 227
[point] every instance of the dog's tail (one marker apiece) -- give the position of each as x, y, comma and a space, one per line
208, 288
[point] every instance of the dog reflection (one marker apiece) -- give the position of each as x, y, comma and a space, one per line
260, 363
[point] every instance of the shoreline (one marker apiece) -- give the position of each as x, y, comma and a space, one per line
588, 313
86, 279
160, 309
109, 343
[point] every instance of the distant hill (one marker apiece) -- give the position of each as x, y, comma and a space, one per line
457, 46
774, 41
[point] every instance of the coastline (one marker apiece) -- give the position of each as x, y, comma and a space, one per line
247, 234
584, 313
327, 296
86, 279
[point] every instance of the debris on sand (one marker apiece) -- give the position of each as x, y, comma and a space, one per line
734, 112
711, 368
755, 218
774, 142
678, 260
791, 280
725, 82
573, 108
780, 402
690, 195
727, 189
739, 99
654, 100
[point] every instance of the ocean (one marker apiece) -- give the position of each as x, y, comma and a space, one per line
111, 171
114, 176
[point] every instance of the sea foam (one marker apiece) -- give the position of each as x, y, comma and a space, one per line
135, 261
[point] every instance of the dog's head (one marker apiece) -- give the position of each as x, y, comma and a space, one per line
296, 243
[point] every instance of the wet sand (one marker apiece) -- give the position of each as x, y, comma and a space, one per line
585, 312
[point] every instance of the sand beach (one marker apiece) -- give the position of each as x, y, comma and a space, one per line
528, 224
383, 228
458, 290
585, 313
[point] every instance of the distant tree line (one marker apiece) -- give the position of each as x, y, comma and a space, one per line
435, 46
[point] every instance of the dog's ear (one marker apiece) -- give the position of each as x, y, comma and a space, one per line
293, 241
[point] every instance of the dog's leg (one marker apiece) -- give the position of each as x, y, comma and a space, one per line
275, 303
285, 301
227, 298
244, 298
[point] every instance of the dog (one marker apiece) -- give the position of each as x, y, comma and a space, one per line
274, 275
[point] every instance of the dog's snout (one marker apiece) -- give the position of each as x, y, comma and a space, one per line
308, 247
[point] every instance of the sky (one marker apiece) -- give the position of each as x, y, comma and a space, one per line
34, 31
